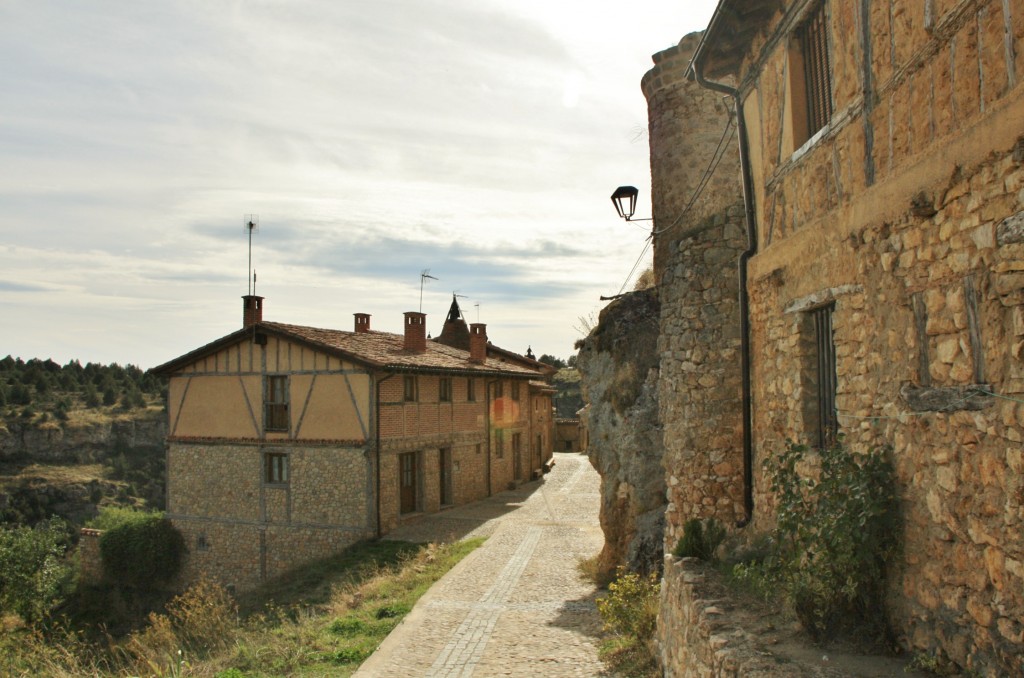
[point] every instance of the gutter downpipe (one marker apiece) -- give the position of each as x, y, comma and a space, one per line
380, 530
697, 68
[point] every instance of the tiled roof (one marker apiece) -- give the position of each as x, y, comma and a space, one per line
381, 350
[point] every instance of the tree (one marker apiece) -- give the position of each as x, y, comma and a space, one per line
32, 571
557, 363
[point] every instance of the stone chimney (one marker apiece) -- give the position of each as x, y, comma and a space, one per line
477, 343
252, 310
362, 322
415, 332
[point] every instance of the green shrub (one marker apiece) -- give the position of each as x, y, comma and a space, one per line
141, 551
834, 535
32, 571
631, 606
110, 517
700, 539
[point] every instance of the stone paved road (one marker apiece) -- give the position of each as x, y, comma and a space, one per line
517, 605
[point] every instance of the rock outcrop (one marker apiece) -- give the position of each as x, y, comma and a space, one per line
618, 363
53, 442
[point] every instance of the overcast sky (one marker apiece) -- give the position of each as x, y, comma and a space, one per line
479, 139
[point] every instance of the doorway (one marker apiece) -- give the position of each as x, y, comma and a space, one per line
407, 482
445, 474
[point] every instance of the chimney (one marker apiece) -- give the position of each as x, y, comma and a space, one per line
252, 310
415, 332
362, 322
478, 343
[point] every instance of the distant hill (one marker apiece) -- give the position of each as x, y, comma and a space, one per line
569, 399
75, 437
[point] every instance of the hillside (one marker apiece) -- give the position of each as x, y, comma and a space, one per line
73, 438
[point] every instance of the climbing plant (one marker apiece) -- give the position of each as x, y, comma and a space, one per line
836, 530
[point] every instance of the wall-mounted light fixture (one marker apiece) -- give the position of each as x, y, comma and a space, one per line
624, 199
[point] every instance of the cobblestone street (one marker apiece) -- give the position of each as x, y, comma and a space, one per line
516, 606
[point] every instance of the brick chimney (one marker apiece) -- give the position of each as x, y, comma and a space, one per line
415, 332
362, 322
252, 310
478, 343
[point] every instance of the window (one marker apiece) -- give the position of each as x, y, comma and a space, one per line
410, 389
499, 389
276, 468
810, 76
825, 421
515, 390
517, 443
471, 389
499, 443
479, 448
276, 404
444, 390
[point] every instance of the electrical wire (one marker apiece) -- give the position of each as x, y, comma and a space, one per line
709, 171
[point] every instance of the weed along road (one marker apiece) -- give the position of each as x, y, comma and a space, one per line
516, 606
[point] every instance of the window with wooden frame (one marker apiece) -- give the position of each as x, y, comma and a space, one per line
810, 67
499, 443
515, 390
275, 467
471, 389
499, 389
444, 389
409, 388
517, 443
275, 401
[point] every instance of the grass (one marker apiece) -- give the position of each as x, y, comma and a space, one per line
322, 619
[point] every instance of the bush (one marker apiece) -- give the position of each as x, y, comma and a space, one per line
700, 539
834, 535
143, 550
32, 571
631, 606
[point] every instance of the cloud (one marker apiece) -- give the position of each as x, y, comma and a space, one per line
10, 286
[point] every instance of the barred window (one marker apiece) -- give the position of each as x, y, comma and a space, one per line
276, 468
825, 352
813, 75
276, 403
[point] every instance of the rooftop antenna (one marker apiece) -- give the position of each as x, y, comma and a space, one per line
477, 304
252, 224
424, 277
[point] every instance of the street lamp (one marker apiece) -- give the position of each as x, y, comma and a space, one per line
624, 199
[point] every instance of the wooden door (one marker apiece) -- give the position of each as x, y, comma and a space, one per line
407, 482
445, 461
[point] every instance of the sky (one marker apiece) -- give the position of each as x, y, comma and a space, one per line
477, 139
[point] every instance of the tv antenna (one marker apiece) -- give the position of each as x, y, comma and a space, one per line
477, 305
252, 224
424, 277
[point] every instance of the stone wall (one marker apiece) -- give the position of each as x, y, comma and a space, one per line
619, 375
247, 530
901, 216
698, 239
928, 326
90, 561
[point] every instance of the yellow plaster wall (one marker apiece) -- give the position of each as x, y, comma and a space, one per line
329, 408
214, 406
